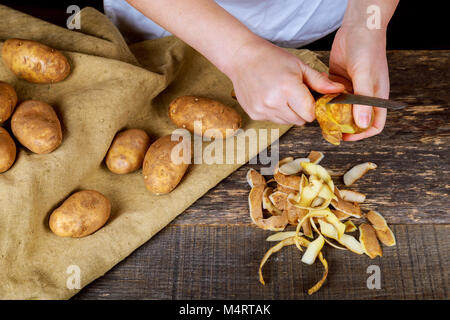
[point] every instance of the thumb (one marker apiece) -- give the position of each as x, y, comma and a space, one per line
319, 81
362, 84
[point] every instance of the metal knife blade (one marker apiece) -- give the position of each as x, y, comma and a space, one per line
368, 101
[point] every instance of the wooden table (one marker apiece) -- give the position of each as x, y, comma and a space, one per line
212, 251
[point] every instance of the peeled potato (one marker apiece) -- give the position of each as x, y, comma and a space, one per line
335, 119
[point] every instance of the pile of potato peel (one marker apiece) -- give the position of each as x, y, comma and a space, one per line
302, 193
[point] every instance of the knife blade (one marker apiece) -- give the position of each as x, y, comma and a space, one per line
368, 101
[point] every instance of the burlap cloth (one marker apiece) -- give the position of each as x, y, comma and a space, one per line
112, 87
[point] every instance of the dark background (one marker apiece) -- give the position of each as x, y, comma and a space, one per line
415, 25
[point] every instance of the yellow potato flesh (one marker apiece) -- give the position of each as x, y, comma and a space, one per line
335, 119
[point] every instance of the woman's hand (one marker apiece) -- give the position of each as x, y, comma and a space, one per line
358, 59
272, 84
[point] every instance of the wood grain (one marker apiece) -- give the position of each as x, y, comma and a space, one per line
197, 262
212, 250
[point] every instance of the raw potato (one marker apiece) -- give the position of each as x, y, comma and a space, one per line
161, 175
80, 215
34, 61
8, 101
127, 151
37, 127
335, 119
213, 115
7, 151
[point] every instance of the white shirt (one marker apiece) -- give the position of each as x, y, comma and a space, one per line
288, 23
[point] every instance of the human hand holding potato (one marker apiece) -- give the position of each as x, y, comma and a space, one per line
358, 60
272, 84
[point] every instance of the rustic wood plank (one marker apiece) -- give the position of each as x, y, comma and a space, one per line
215, 262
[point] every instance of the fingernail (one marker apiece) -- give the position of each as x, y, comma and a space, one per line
336, 84
363, 120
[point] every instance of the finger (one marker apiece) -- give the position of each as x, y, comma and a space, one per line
377, 126
292, 117
302, 103
285, 116
319, 81
347, 83
363, 84
278, 120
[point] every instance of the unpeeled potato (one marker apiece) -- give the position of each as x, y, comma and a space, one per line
34, 61
127, 151
80, 215
36, 126
161, 174
7, 151
8, 101
214, 116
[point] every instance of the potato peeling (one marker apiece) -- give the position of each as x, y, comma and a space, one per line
369, 241
357, 172
352, 196
302, 193
293, 167
315, 157
384, 233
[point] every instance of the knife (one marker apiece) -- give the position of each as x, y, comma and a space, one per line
348, 98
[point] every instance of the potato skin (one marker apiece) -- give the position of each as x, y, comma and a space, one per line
183, 111
127, 151
7, 151
8, 101
34, 61
80, 215
36, 126
161, 175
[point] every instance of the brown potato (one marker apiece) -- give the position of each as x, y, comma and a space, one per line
183, 111
36, 126
8, 101
34, 61
127, 151
80, 215
7, 151
335, 119
161, 175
